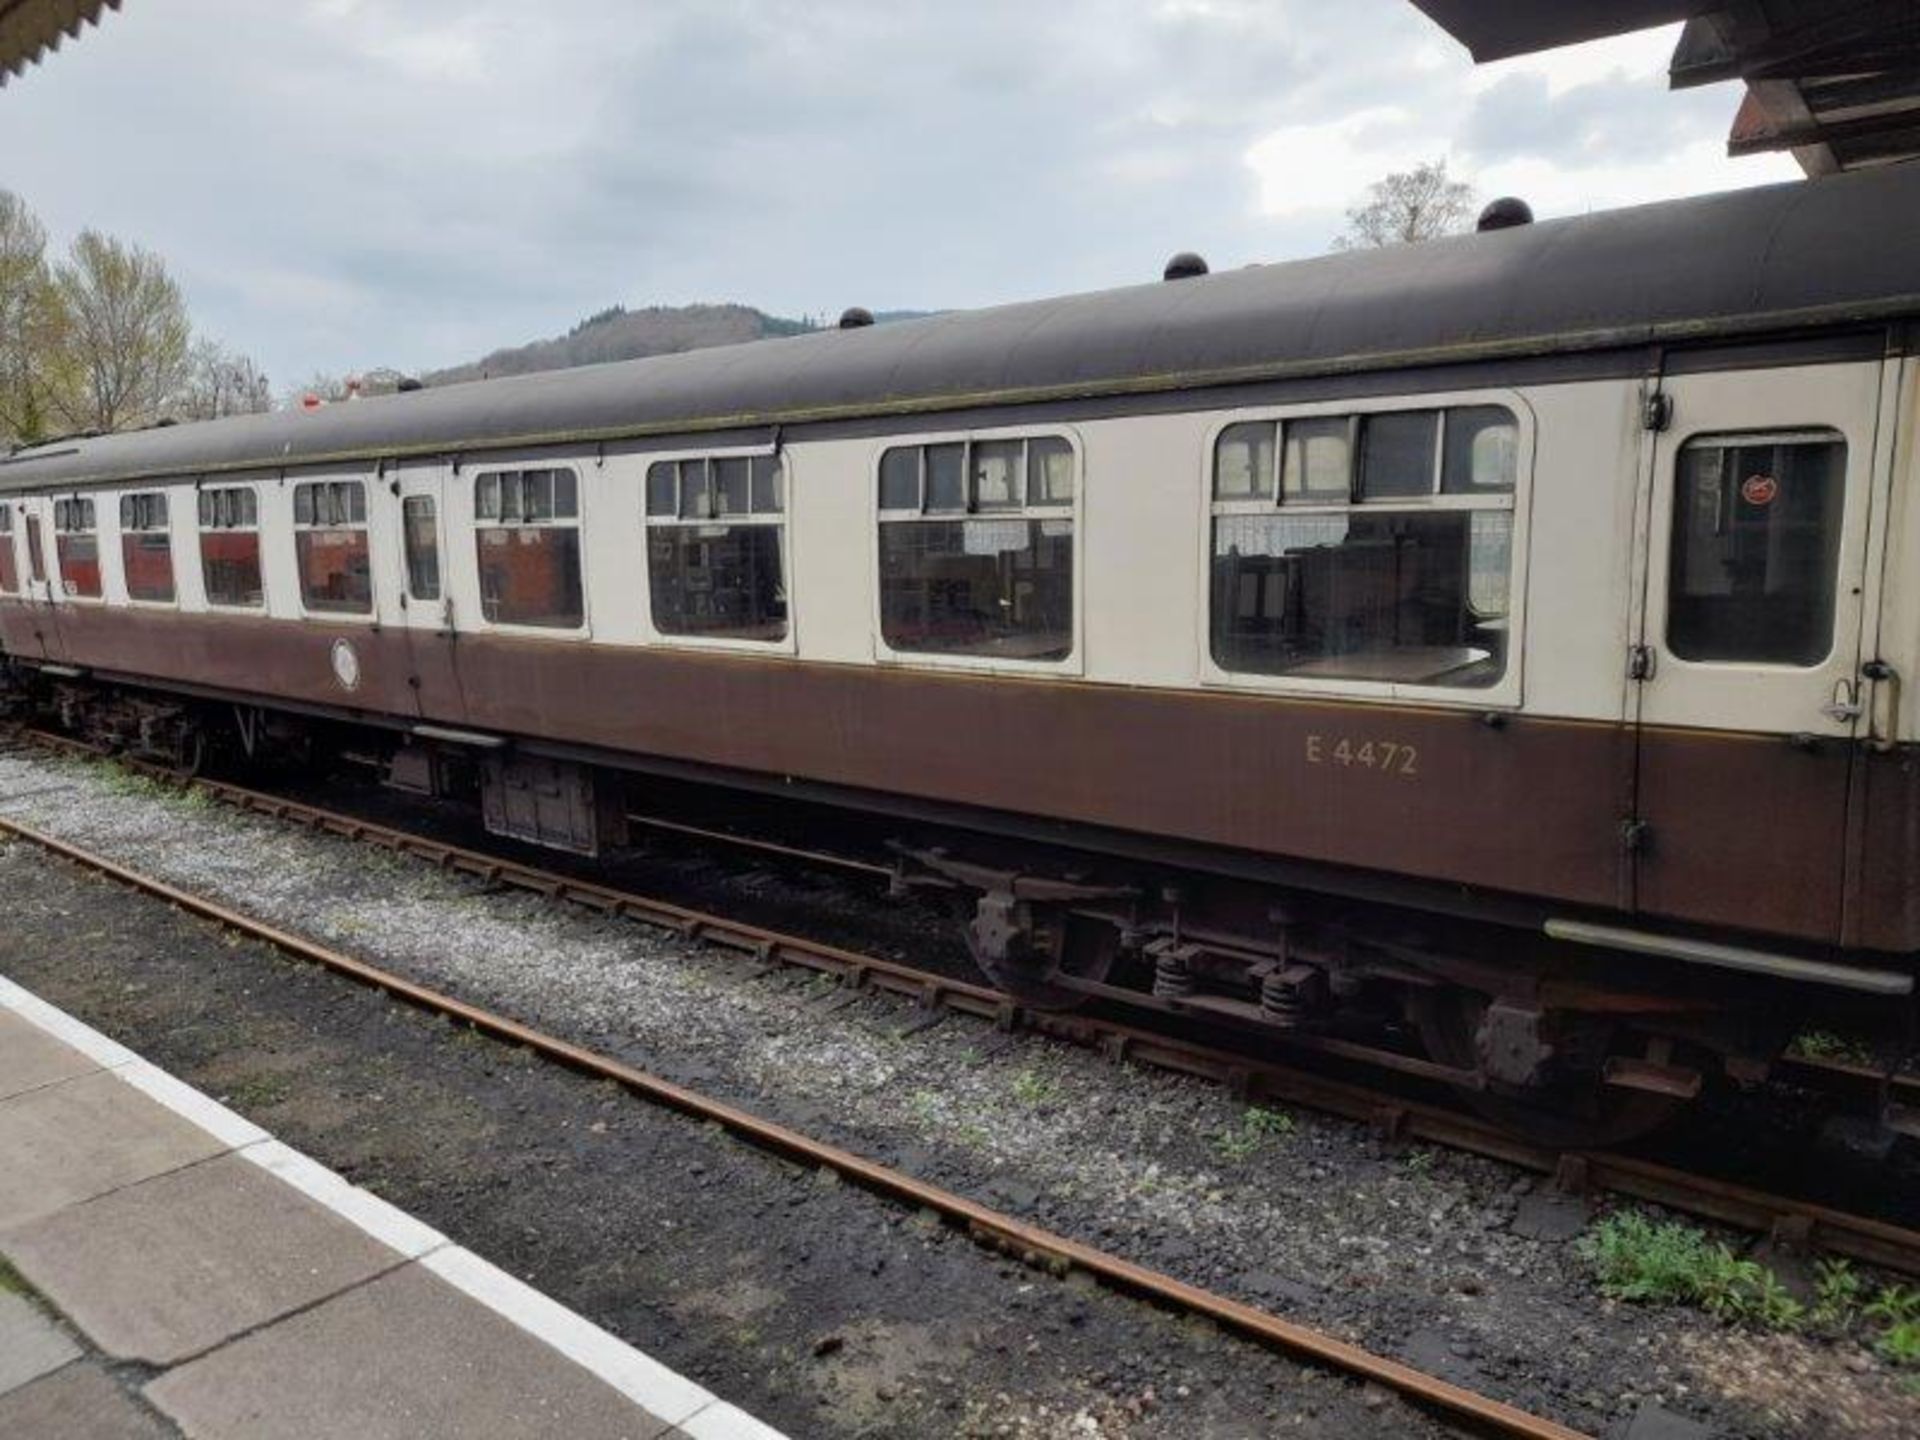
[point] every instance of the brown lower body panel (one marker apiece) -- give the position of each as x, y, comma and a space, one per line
1743, 831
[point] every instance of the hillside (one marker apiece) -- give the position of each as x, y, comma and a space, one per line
618, 333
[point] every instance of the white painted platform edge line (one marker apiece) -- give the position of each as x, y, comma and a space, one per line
722, 1421
385, 1222
662, 1392
108, 1054
230, 1129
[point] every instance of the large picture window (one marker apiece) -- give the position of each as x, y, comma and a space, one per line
528, 540
1366, 547
9, 559
330, 543
76, 546
146, 548
716, 547
230, 547
976, 548
1755, 555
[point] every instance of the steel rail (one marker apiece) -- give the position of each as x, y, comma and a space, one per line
1032, 1244
1793, 1221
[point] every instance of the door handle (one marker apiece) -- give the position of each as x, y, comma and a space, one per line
1886, 704
1845, 707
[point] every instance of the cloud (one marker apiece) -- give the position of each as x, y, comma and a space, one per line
341, 183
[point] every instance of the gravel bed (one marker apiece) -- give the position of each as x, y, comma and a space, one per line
1411, 1252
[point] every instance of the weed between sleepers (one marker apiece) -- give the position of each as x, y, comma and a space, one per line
1643, 1261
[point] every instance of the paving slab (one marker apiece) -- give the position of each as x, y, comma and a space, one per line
165, 1269
30, 1344
403, 1357
30, 1058
79, 1402
70, 1142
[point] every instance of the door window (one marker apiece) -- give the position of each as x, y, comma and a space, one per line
1756, 548
421, 529
36, 557
9, 566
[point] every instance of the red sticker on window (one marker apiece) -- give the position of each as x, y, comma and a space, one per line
1759, 489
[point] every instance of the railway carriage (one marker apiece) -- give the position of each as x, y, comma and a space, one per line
1502, 637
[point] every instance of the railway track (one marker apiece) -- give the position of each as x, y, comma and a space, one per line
1792, 1222
1031, 1244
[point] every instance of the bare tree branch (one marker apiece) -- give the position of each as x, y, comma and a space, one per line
1407, 206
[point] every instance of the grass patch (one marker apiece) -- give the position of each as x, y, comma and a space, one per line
1637, 1260
1900, 1344
1642, 1262
1257, 1126
1032, 1088
1825, 1045
10, 1281
258, 1092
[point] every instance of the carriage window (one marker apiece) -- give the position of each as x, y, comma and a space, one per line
1756, 548
146, 548
36, 552
527, 536
1481, 450
1396, 454
976, 548
330, 543
9, 561
1409, 583
77, 547
716, 547
420, 530
230, 547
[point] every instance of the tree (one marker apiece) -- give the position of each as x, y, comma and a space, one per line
220, 382
123, 351
25, 316
1423, 203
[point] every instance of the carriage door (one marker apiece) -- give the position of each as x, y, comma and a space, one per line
426, 599
1749, 667
38, 576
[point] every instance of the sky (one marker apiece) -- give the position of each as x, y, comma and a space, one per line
340, 184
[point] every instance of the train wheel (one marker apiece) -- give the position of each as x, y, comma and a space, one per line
1578, 1113
1031, 975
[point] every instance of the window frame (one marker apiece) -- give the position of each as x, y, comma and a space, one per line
201, 530
1073, 663
166, 497
435, 500
12, 548
1506, 693
463, 490
1659, 630
61, 529
789, 644
297, 527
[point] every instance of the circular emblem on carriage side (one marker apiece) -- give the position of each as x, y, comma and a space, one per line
1759, 489
346, 665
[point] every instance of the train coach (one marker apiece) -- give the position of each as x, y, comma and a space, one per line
1499, 641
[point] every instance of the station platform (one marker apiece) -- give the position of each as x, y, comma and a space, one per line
172, 1269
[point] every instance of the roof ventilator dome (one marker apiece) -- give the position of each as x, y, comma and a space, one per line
1184, 266
1504, 213
855, 317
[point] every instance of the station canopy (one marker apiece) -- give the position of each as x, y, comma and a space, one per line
1837, 82
31, 28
